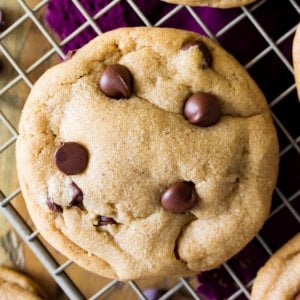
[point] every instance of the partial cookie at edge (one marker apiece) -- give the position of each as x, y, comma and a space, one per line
279, 278
296, 59
14, 285
213, 3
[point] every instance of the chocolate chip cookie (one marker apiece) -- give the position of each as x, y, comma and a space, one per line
213, 3
15, 286
296, 58
150, 152
279, 278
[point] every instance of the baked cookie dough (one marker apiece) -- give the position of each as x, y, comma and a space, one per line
296, 58
151, 152
279, 278
16, 286
212, 3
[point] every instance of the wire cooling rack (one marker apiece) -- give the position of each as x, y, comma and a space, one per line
286, 200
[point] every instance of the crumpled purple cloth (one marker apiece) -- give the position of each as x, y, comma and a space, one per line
245, 42
63, 18
217, 284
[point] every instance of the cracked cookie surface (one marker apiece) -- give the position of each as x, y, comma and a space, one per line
117, 214
213, 3
16, 286
279, 278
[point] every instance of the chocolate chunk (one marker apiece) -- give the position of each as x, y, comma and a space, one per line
69, 54
71, 158
207, 58
116, 82
77, 195
102, 220
179, 197
202, 109
53, 206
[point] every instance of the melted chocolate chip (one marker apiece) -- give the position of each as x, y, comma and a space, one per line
202, 109
77, 195
102, 220
70, 54
53, 206
71, 158
116, 82
179, 197
207, 58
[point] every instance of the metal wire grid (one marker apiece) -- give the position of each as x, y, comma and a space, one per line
31, 237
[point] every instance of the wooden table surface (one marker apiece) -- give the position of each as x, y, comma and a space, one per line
26, 44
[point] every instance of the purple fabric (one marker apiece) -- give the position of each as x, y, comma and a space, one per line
63, 17
245, 42
217, 284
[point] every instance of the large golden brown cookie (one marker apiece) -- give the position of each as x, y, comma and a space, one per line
150, 152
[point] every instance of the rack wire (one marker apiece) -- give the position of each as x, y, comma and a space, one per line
31, 237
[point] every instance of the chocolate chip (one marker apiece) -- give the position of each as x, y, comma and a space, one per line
179, 197
53, 206
116, 82
102, 220
202, 109
69, 54
207, 61
71, 158
77, 195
